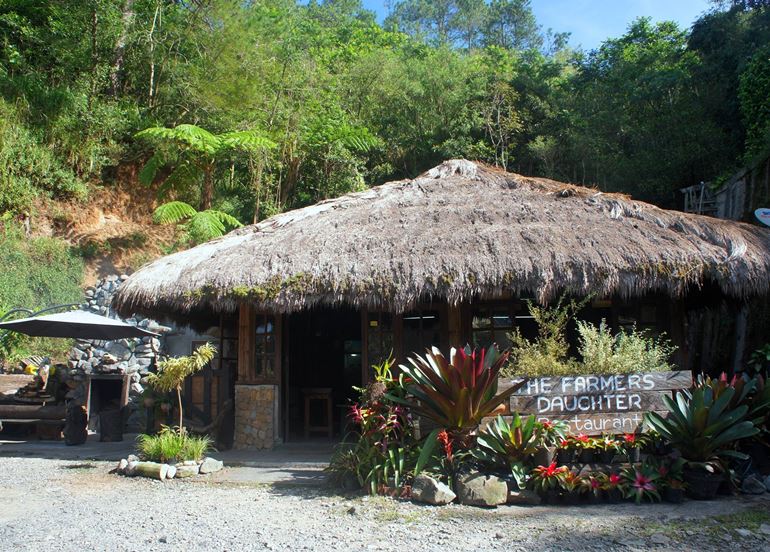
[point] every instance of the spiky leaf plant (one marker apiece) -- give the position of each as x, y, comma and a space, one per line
703, 426
455, 393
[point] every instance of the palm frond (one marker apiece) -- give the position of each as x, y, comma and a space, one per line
228, 220
184, 175
173, 212
206, 225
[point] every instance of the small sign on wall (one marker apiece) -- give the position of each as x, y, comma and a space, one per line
594, 404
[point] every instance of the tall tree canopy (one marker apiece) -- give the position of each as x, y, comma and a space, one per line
342, 102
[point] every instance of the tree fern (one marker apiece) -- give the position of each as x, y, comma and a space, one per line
201, 225
150, 169
173, 212
246, 140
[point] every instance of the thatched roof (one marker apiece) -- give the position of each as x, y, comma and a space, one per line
459, 231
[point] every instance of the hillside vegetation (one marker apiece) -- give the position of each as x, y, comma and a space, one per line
258, 107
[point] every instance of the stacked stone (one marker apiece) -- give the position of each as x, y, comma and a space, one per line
255, 416
131, 357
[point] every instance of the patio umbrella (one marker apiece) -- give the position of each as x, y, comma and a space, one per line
76, 324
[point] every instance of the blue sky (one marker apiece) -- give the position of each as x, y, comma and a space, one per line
592, 21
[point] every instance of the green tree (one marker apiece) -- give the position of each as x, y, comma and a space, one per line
173, 371
194, 153
754, 94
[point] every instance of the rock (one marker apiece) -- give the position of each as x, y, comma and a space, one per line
132, 458
131, 469
163, 539
752, 485
524, 498
478, 489
183, 471
767, 483
210, 465
745, 533
122, 465
660, 539
765, 528
428, 490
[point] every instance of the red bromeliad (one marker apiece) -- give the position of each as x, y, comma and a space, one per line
446, 442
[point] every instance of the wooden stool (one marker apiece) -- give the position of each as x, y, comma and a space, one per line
318, 394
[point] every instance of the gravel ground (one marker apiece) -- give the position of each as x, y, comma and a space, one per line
58, 505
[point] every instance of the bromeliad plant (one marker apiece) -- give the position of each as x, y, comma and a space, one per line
641, 483
548, 478
703, 427
551, 433
509, 445
382, 450
455, 393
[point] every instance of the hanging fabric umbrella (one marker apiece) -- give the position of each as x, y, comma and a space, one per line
75, 324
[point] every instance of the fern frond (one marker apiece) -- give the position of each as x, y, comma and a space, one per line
357, 138
185, 174
173, 212
224, 218
150, 169
194, 137
204, 226
246, 140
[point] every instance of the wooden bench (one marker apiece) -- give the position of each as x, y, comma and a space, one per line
48, 420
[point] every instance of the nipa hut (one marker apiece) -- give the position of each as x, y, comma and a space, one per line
304, 302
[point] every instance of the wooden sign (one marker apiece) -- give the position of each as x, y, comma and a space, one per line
593, 405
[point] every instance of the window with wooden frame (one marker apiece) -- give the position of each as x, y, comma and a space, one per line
265, 366
422, 330
492, 323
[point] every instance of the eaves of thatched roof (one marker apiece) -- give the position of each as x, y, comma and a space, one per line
459, 231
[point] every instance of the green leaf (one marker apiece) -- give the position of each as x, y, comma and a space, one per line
173, 212
426, 452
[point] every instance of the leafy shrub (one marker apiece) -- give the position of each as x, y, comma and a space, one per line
623, 353
602, 352
171, 446
37, 273
382, 447
548, 354
28, 168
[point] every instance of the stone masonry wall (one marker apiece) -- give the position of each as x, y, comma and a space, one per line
256, 416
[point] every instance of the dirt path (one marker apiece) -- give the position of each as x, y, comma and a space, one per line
56, 505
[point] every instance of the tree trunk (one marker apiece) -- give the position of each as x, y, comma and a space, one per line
153, 470
181, 418
120, 45
151, 40
94, 54
208, 188
258, 186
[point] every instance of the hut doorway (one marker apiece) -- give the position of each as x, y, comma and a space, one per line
322, 364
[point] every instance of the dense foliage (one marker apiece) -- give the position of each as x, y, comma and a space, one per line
37, 273
339, 100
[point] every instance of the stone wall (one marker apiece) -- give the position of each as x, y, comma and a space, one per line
256, 416
130, 357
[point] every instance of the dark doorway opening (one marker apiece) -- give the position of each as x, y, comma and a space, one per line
322, 364
107, 398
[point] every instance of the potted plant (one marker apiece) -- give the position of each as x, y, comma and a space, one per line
641, 483
585, 447
705, 431
607, 447
613, 487
546, 481
592, 487
567, 451
632, 445
670, 482
573, 487
549, 435
509, 446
